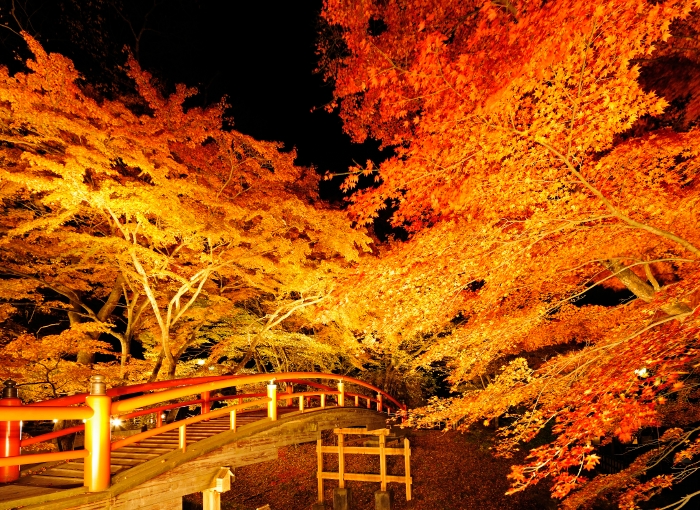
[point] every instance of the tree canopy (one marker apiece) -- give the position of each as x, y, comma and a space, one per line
544, 168
150, 223
540, 160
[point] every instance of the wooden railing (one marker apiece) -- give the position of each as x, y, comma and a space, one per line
381, 449
97, 410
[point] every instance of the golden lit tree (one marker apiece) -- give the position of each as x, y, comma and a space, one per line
148, 217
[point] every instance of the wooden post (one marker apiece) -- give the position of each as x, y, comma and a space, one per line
290, 390
341, 395
369, 402
272, 404
379, 404
341, 461
407, 467
319, 457
159, 419
382, 460
301, 404
323, 400
182, 436
233, 420
97, 474
10, 433
211, 499
206, 405
357, 401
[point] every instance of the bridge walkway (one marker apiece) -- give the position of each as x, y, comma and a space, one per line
70, 474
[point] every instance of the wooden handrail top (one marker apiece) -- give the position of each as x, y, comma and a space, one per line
28, 413
119, 391
131, 404
177, 424
38, 458
197, 382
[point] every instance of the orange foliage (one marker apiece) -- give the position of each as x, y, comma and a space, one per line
536, 160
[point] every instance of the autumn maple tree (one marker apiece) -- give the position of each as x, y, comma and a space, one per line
543, 151
144, 222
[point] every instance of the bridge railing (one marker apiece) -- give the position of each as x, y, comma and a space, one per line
98, 411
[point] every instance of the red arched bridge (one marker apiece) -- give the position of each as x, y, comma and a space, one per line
153, 468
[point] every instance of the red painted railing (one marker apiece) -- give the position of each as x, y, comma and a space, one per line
97, 409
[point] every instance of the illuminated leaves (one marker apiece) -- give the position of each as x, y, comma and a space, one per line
153, 206
529, 158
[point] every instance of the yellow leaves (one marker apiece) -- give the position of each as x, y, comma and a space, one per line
590, 461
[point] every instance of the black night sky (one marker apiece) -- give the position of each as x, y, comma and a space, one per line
260, 55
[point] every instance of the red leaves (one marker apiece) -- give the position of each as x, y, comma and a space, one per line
531, 171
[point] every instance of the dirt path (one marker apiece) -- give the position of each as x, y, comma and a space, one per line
451, 471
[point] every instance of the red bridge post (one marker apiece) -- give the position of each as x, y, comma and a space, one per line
10, 433
341, 394
272, 404
206, 405
97, 437
290, 390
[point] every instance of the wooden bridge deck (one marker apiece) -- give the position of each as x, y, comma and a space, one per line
154, 474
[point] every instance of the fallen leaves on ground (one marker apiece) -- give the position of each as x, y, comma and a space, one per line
450, 471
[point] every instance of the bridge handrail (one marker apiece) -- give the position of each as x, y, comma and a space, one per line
119, 391
99, 407
27, 413
187, 421
183, 391
151, 410
37, 458
52, 435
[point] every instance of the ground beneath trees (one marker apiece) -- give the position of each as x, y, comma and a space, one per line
450, 470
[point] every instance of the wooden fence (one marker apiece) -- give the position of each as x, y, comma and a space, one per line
341, 450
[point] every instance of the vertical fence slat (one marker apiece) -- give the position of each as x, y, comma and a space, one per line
319, 456
382, 460
407, 466
341, 461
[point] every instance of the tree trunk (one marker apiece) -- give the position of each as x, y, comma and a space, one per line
157, 366
172, 366
125, 344
88, 357
643, 290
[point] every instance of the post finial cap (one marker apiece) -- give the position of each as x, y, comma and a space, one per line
10, 389
97, 385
